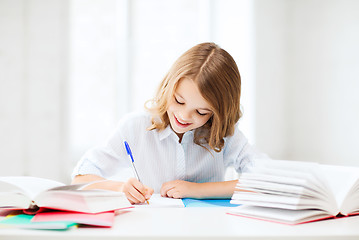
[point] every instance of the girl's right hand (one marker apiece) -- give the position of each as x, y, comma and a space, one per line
136, 192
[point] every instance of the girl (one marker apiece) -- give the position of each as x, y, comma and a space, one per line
184, 143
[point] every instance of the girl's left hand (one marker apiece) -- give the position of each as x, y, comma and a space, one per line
179, 189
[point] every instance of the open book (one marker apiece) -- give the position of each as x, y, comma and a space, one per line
31, 193
296, 192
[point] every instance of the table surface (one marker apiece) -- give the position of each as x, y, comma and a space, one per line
194, 223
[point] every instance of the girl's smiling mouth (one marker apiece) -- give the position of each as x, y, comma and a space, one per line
180, 123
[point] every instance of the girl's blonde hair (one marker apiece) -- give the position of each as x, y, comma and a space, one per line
217, 77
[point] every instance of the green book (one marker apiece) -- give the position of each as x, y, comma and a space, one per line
24, 221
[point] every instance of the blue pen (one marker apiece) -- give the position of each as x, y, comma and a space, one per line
129, 152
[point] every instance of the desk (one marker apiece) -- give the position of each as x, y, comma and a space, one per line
194, 223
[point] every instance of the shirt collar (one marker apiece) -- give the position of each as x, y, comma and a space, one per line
168, 132
165, 133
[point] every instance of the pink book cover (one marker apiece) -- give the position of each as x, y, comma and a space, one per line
292, 224
104, 219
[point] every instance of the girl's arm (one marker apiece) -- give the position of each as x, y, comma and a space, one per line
184, 189
99, 182
135, 191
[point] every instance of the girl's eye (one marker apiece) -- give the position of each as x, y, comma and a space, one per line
178, 101
202, 114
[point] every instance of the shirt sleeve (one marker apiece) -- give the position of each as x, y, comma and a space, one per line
239, 153
106, 160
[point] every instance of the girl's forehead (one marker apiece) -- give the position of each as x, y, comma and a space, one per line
188, 90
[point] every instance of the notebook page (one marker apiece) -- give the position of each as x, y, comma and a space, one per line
157, 201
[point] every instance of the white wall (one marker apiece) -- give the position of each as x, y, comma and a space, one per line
12, 89
272, 85
324, 81
33, 68
307, 79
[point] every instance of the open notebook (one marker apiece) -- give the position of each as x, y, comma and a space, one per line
157, 201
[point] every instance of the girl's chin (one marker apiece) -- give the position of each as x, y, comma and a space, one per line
179, 130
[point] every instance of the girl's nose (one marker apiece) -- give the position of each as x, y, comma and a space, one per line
185, 115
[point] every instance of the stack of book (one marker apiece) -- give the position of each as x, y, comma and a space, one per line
38, 203
294, 192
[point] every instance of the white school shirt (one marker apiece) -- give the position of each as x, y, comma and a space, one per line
159, 157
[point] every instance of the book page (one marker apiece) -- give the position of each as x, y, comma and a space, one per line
299, 184
30, 186
309, 172
278, 215
157, 201
71, 187
341, 180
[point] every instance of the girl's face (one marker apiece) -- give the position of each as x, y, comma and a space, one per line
187, 109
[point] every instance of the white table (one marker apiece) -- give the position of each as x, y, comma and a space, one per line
194, 223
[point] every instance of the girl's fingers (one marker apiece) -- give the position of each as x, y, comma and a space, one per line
137, 192
167, 187
131, 198
136, 197
164, 189
138, 185
149, 193
173, 193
